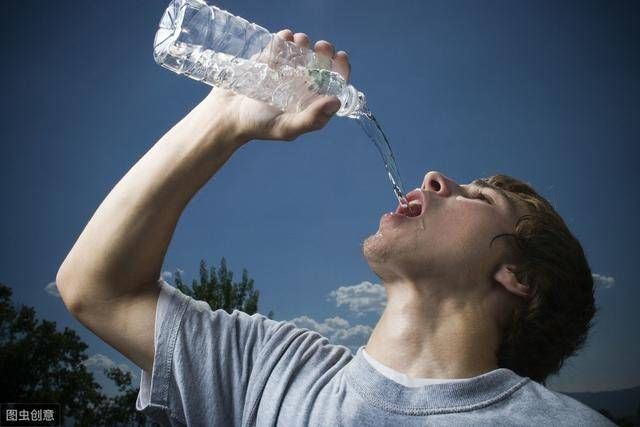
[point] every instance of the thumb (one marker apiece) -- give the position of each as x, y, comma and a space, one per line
331, 106
316, 115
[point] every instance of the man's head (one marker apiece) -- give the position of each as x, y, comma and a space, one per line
498, 244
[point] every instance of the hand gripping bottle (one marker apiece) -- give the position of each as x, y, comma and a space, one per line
208, 44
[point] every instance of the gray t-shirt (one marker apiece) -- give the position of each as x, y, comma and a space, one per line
212, 368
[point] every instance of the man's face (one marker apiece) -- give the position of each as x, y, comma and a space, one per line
448, 240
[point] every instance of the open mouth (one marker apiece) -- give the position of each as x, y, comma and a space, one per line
416, 204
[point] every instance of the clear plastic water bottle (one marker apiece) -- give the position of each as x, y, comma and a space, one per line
208, 44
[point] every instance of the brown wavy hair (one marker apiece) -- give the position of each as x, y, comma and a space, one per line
554, 323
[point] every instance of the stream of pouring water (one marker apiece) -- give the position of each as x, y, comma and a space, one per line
373, 130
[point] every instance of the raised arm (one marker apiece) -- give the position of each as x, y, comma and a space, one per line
108, 281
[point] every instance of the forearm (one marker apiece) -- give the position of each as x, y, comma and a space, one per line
122, 248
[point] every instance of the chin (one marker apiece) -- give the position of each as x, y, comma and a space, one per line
376, 250
391, 257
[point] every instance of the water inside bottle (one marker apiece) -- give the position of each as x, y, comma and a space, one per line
288, 88
372, 128
178, 46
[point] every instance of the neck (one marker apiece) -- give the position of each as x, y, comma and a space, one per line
432, 335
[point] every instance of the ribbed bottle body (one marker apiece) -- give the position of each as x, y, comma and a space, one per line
213, 46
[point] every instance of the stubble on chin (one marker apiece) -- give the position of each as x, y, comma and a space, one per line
375, 249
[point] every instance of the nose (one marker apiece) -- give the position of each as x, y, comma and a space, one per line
438, 183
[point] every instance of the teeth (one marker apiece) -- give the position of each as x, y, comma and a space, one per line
414, 208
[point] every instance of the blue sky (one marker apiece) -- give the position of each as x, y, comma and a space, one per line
544, 91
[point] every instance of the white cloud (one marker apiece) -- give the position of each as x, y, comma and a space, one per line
101, 362
352, 337
336, 323
168, 275
52, 289
309, 323
604, 282
337, 330
361, 298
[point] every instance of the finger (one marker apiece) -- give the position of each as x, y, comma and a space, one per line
325, 48
286, 34
342, 65
272, 53
301, 39
314, 117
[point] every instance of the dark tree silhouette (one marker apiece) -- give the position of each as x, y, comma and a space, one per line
42, 365
121, 408
39, 364
219, 291
621, 421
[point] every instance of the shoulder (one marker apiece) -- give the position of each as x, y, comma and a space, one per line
563, 408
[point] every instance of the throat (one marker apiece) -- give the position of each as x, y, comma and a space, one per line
450, 347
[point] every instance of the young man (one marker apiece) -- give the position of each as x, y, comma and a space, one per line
488, 292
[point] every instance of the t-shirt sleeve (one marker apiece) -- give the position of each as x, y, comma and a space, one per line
203, 361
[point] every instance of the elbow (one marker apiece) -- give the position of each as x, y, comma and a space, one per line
68, 290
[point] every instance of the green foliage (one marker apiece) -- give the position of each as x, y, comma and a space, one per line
43, 365
217, 288
121, 408
40, 364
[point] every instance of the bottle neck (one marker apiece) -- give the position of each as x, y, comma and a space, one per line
353, 102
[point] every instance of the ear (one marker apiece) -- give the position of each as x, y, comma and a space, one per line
508, 280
